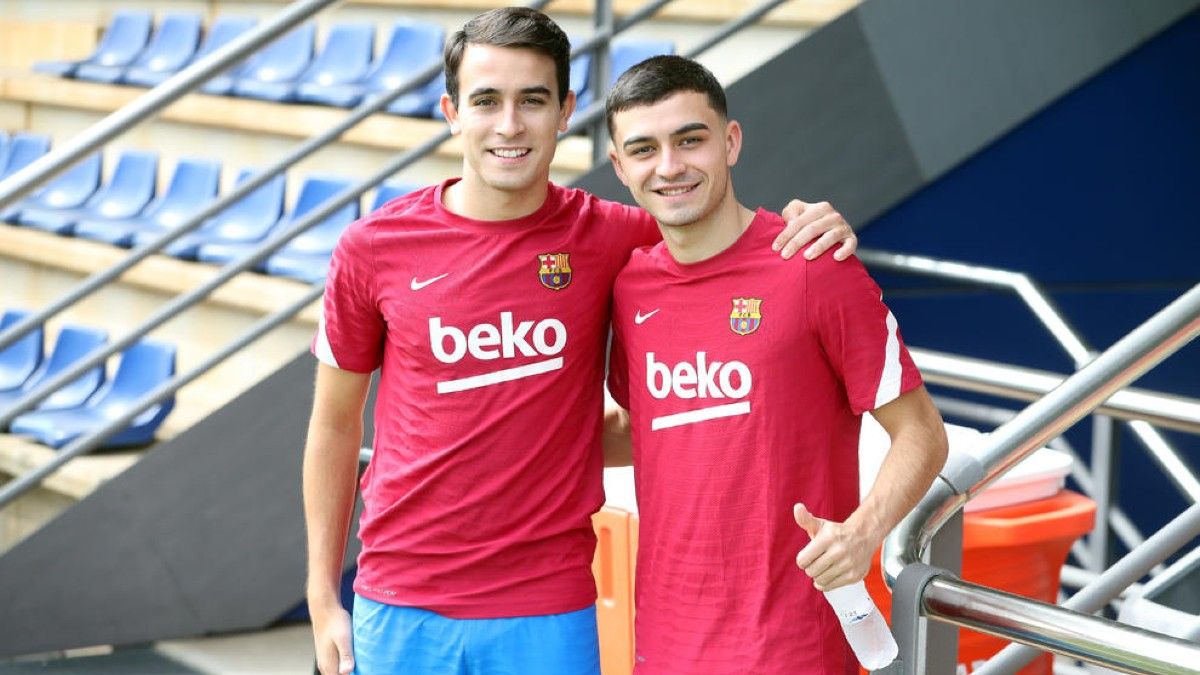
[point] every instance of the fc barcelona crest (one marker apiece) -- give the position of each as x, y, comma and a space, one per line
554, 269
746, 316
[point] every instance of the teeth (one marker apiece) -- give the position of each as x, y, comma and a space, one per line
674, 191
510, 154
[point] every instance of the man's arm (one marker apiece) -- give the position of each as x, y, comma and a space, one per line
330, 474
840, 553
617, 439
820, 221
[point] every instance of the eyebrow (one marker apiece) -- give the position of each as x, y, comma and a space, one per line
687, 128
491, 91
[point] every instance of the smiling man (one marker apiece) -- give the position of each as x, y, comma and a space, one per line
484, 300
745, 377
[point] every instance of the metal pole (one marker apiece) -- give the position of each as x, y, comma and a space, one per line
1082, 636
155, 100
600, 76
1104, 460
1153, 341
1109, 584
15, 488
733, 26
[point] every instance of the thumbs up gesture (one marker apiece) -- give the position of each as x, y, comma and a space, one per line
838, 553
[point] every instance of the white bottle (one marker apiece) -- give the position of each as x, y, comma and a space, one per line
865, 629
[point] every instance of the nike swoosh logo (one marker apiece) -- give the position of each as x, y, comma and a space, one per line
640, 318
418, 285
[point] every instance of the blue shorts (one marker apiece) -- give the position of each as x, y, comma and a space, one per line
392, 640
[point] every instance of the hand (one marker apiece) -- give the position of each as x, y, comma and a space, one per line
837, 556
819, 221
331, 637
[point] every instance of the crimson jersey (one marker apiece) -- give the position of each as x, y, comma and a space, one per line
491, 338
745, 376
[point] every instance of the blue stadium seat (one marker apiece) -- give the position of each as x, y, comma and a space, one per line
389, 191
345, 58
222, 32
68, 190
73, 343
143, 367
4, 141
132, 185
21, 358
122, 42
581, 70
307, 256
193, 187
314, 192
23, 150
272, 73
626, 54
411, 47
248, 219
170, 49
424, 102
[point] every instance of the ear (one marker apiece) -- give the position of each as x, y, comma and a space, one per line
733, 142
451, 113
568, 109
616, 164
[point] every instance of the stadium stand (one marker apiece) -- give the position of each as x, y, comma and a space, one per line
73, 343
223, 30
23, 150
192, 187
170, 49
4, 140
68, 191
411, 46
271, 73
346, 57
122, 42
246, 220
21, 358
625, 54
144, 366
130, 187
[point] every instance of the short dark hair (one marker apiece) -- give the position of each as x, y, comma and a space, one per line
516, 27
657, 78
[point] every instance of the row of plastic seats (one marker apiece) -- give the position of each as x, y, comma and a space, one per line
125, 212
92, 400
290, 70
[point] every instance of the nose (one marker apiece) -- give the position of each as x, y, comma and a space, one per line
669, 164
509, 122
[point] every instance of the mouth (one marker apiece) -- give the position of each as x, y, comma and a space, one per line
675, 190
509, 153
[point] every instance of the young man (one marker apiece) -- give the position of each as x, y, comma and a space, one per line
744, 377
485, 301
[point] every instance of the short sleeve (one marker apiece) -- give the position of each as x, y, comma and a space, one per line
858, 333
351, 331
618, 371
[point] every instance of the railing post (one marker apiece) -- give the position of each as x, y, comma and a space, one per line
1105, 458
599, 78
941, 640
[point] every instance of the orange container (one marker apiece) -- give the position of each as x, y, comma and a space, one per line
616, 536
1020, 549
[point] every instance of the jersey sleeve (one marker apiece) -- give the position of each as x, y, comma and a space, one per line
350, 334
858, 333
618, 371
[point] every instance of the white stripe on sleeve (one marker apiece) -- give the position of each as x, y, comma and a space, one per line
889, 379
323, 351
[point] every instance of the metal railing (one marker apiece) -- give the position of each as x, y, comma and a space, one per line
934, 596
91, 441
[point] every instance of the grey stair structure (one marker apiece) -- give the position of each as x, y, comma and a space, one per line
205, 533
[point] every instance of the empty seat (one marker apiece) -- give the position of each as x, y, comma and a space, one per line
314, 192
130, 187
193, 187
307, 256
345, 58
170, 49
72, 344
143, 367
246, 220
424, 102
389, 191
411, 47
4, 140
21, 358
68, 190
624, 55
271, 72
123, 40
23, 150
222, 32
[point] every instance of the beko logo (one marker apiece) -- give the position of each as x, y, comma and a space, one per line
698, 379
488, 342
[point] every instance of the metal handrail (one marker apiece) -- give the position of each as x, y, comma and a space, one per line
1029, 384
1141, 349
26, 482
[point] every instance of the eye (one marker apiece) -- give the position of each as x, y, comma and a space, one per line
481, 102
690, 140
641, 150
533, 100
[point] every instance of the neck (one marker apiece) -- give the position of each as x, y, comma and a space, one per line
705, 238
472, 198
